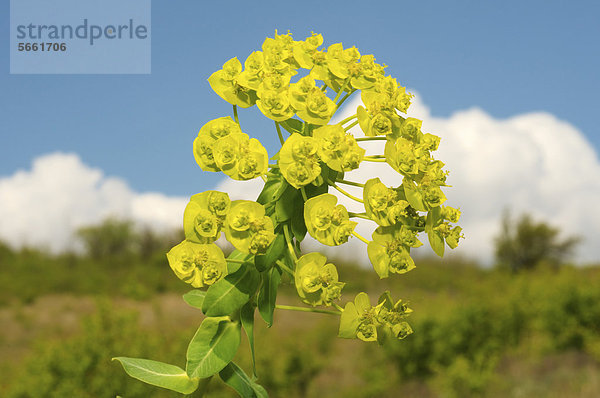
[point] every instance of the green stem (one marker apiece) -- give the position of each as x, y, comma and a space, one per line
340, 309
371, 139
235, 115
333, 184
342, 89
263, 178
360, 237
368, 159
284, 267
356, 184
288, 238
279, 133
303, 194
306, 309
202, 388
351, 125
346, 120
344, 99
359, 215
235, 261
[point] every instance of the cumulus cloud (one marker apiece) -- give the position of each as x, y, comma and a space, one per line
532, 163
44, 206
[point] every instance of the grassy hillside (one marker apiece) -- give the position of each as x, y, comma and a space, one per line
477, 332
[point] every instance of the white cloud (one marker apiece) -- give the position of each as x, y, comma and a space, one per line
528, 163
45, 205
532, 163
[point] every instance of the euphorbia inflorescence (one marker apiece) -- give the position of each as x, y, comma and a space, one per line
300, 86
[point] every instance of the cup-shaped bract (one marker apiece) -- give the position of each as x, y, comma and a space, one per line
207, 136
198, 264
337, 149
224, 83
204, 216
316, 280
386, 206
389, 251
247, 228
240, 157
363, 321
298, 160
327, 222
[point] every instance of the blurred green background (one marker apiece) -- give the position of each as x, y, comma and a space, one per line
529, 326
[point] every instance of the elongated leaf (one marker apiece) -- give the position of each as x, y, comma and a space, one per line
436, 240
285, 206
236, 378
195, 298
274, 252
231, 292
348, 322
247, 318
268, 294
292, 126
268, 193
414, 195
159, 374
213, 346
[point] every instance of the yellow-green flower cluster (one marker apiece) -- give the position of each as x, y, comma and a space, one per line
197, 264
316, 280
363, 321
247, 228
326, 222
221, 146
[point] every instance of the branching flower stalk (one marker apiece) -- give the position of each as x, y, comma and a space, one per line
300, 86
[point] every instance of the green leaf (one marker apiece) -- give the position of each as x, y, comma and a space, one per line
436, 240
413, 195
269, 190
268, 294
297, 221
237, 379
348, 322
195, 298
247, 318
292, 126
274, 252
231, 292
286, 205
159, 374
213, 346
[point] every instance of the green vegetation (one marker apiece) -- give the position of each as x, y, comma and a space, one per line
477, 332
525, 243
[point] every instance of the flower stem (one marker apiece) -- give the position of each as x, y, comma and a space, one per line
360, 237
303, 191
371, 139
351, 125
284, 267
368, 159
346, 120
333, 184
288, 238
356, 184
235, 261
359, 215
279, 133
306, 309
341, 90
340, 309
235, 115
344, 98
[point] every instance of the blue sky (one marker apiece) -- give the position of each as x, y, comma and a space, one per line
506, 58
